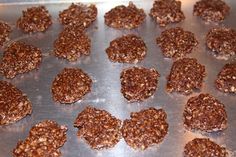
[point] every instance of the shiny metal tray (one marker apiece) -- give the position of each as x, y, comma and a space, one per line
106, 87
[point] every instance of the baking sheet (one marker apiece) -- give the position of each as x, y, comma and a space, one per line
106, 87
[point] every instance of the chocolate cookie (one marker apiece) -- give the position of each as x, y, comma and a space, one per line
211, 10
222, 41
71, 85
19, 58
165, 12
14, 105
78, 14
72, 43
127, 49
185, 76
5, 31
145, 128
44, 140
205, 113
98, 127
204, 147
226, 79
35, 19
138, 83
176, 43
129, 17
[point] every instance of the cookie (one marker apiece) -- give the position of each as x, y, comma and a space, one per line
186, 75
165, 12
44, 140
176, 43
19, 58
204, 147
138, 83
78, 14
14, 104
72, 43
35, 19
5, 31
98, 127
205, 113
145, 128
125, 17
222, 41
226, 79
71, 85
211, 10
127, 49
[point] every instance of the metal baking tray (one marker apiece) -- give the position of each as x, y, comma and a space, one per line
106, 87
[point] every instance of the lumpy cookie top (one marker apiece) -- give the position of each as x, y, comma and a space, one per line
204, 147
125, 17
98, 127
78, 14
205, 113
176, 43
72, 43
138, 83
186, 75
226, 79
127, 49
145, 128
222, 41
5, 31
19, 58
14, 105
71, 85
44, 140
211, 10
165, 12
35, 19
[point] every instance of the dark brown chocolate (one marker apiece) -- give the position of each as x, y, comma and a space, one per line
98, 127
127, 49
145, 128
176, 43
14, 104
204, 147
71, 85
129, 17
165, 12
186, 75
138, 83
205, 113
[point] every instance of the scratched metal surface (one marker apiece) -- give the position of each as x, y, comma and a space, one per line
106, 87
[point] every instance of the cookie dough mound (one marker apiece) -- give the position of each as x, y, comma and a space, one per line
222, 41
71, 85
138, 83
129, 17
211, 10
204, 147
35, 19
44, 140
127, 49
72, 43
98, 127
205, 113
19, 58
14, 105
226, 79
145, 128
185, 76
165, 12
176, 43
78, 14
5, 31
